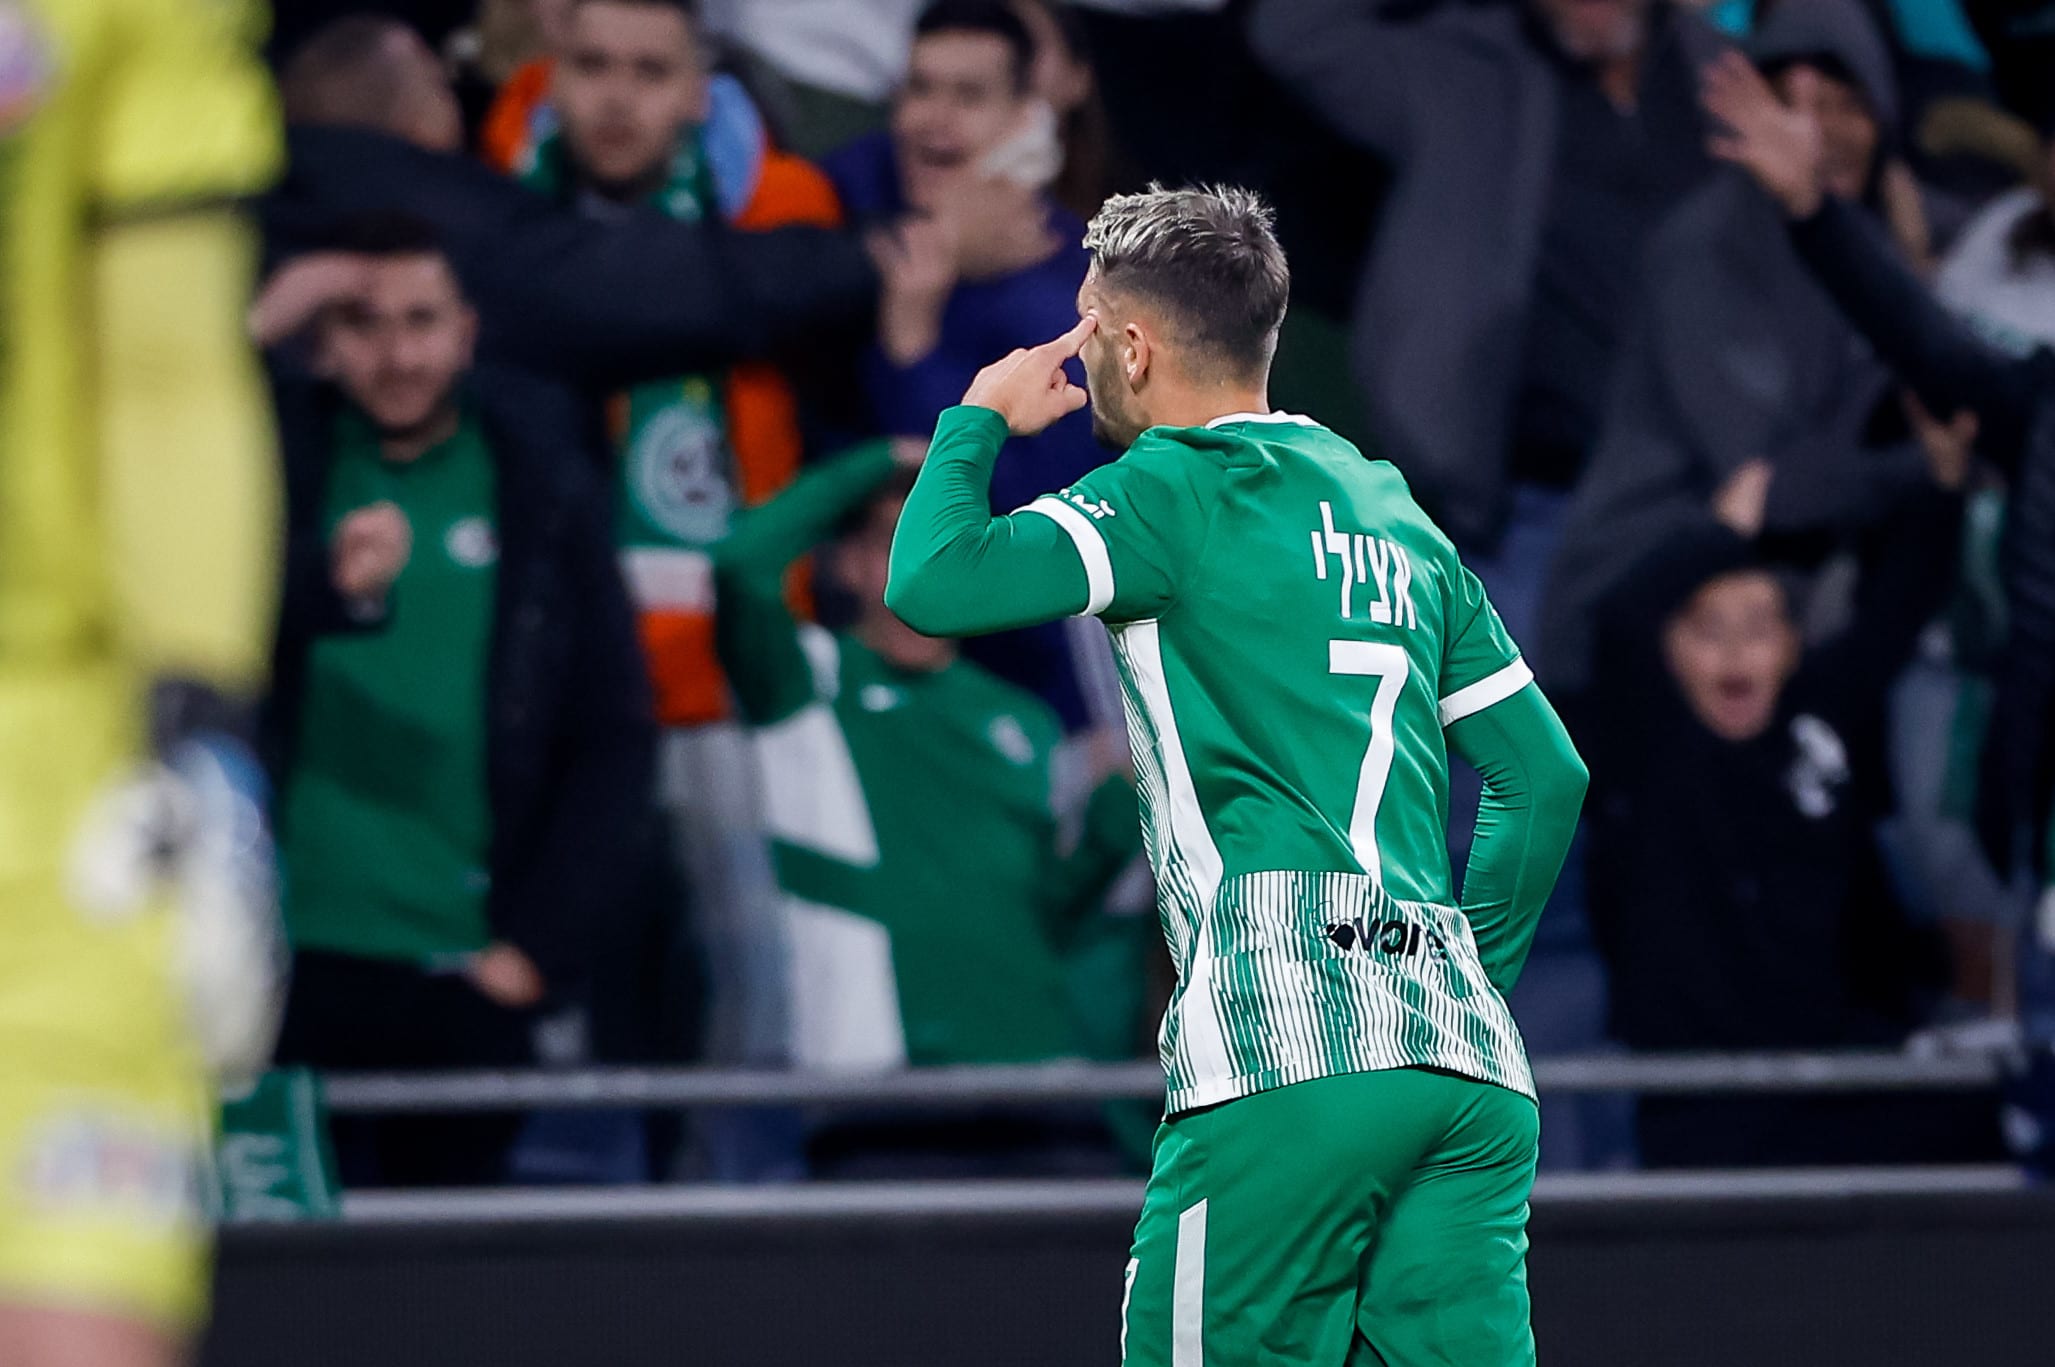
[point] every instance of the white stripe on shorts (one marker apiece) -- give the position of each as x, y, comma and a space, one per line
1188, 1291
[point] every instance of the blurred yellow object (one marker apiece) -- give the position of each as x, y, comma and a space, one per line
138, 528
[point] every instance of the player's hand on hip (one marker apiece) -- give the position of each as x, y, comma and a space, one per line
1030, 388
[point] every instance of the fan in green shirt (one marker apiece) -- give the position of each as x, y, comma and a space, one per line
386, 825
916, 803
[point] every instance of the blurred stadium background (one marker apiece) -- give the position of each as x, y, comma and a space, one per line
658, 1001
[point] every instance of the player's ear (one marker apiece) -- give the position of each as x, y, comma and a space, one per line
1136, 353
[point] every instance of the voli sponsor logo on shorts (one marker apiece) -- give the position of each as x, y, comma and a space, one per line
1392, 938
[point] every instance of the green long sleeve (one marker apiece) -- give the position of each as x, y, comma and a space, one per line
754, 631
1534, 785
959, 571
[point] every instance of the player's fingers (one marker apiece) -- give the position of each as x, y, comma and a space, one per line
1070, 343
1073, 398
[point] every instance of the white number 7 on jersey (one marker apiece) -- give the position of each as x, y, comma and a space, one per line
1387, 664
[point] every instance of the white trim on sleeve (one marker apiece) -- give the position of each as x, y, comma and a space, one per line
1091, 549
1492, 688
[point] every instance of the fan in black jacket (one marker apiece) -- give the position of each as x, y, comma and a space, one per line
461, 734
1737, 778
1951, 370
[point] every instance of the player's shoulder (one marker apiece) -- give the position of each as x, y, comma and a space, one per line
1392, 490
1203, 457
1156, 470
1172, 453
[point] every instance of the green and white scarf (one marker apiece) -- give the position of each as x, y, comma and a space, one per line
678, 486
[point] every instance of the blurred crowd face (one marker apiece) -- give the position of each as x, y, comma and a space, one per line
425, 110
1848, 132
399, 347
551, 20
1732, 649
628, 84
1596, 30
959, 102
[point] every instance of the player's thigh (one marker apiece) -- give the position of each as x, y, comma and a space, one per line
1256, 1225
100, 1205
52, 1336
104, 1122
1446, 1280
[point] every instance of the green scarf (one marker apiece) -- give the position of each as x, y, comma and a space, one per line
678, 485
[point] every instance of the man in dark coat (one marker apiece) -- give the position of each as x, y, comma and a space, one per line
1741, 369
1533, 145
460, 721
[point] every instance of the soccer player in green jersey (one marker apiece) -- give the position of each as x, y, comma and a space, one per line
1343, 1173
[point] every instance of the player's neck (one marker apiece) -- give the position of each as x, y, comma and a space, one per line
407, 445
1197, 405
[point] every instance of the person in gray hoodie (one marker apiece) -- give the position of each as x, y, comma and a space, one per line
1532, 147
1744, 397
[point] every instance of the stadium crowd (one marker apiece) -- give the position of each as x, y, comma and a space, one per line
604, 335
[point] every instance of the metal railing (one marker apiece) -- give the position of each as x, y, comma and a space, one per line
954, 1087
1102, 1197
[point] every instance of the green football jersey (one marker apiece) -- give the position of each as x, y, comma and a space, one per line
1293, 636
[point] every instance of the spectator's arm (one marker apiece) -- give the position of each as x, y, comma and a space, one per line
1936, 354
1822, 482
2012, 809
310, 604
754, 631
1907, 572
587, 860
1112, 835
1345, 59
1534, 785
770, 536
644, 297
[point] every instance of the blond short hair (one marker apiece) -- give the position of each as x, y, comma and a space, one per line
1206, 254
